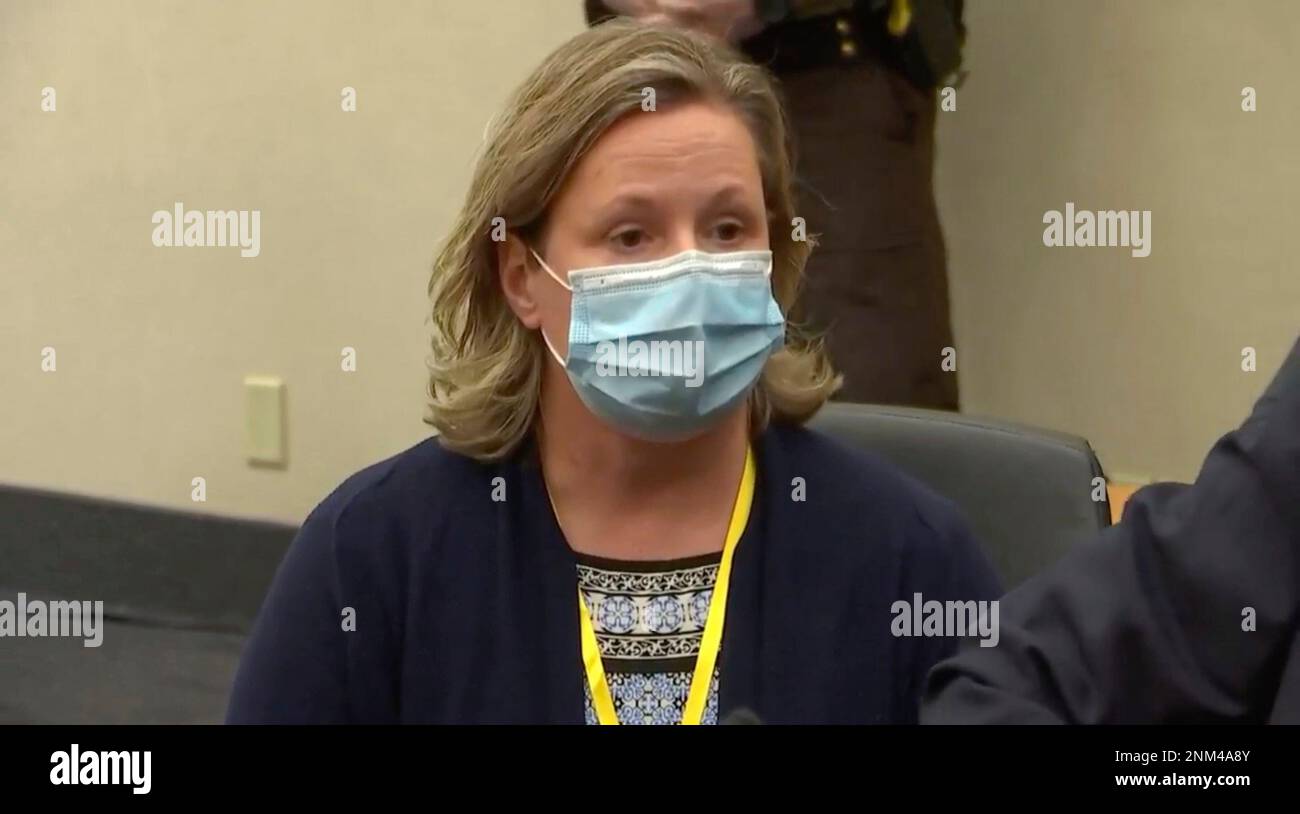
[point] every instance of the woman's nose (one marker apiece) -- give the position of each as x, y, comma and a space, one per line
683, 240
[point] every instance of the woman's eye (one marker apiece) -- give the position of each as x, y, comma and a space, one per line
727, 232
629, 238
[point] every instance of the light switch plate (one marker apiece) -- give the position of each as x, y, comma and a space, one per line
264, 419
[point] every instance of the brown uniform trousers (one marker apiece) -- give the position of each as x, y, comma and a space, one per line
877, 283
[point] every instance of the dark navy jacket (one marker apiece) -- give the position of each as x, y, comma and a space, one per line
465, 607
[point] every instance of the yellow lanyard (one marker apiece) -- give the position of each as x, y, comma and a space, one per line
710, 642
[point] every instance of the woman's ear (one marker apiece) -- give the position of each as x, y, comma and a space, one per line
516, 280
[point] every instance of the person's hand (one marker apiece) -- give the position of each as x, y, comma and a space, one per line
731, 20
636, 9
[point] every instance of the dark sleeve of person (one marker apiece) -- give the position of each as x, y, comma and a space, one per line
293, 666
1152, 621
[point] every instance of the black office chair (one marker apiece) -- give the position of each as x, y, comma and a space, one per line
1027, 493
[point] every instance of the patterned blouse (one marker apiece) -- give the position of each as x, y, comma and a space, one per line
649, 619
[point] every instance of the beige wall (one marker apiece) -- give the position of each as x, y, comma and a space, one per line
233, 105
1116, 104
236, 105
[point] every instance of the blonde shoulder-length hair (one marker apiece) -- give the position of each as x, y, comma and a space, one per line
485, 370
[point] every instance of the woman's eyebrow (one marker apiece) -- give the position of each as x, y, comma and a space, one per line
630, 200
734, 194
729, 190
641, 200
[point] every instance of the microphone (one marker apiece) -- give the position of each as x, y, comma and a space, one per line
741, 716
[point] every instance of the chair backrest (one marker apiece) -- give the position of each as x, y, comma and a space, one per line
1027, 493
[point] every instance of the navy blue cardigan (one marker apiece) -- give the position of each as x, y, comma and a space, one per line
465, 607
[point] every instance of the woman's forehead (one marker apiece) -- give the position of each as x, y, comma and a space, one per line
687, 144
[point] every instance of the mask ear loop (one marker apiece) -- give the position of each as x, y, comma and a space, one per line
547, 269
551, 348
557, 279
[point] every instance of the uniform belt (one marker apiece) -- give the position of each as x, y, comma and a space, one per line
835, 39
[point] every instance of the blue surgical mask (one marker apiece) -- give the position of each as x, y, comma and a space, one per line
661, 350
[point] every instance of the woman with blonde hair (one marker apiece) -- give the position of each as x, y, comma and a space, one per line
621, 519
